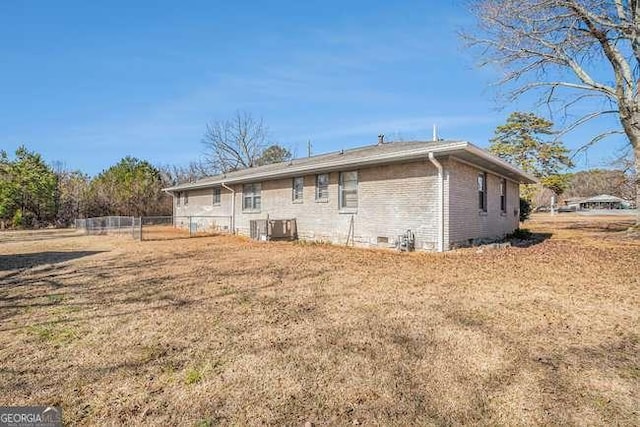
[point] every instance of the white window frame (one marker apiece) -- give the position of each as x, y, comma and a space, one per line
216, 196
482, 192
503, 195
297, 189
322, 193
252, 193
342, 190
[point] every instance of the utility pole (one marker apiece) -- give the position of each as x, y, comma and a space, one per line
309, 148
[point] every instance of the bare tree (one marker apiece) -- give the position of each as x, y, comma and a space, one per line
235, 144
624, 163
593, 182
174, 174
570, 52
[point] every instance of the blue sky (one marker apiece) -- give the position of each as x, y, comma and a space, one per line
86, 83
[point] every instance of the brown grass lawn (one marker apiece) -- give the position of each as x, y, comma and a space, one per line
221, 330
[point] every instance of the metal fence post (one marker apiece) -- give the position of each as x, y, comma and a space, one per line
190, 227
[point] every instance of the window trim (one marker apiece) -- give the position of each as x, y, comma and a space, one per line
318, 198
186, 198
295, 196
482, 192
178, 195
216, 194
253, 195
503, 196
341, 190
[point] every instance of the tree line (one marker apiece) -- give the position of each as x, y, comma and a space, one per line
34, 193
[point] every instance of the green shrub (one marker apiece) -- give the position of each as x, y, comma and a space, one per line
525, 209
17, 220
520, 233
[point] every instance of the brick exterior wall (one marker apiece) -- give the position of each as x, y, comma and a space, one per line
201, 204
391, 199
468, 222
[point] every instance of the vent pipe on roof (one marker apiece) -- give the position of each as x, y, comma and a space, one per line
435, 132
381, 139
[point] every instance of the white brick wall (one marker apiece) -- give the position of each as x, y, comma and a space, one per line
466, 220
201, 204
391, 199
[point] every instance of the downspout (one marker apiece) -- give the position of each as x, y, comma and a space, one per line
174, 211
233, 207
440, 201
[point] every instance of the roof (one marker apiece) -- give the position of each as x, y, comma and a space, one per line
603, 198
370, 155
574, 199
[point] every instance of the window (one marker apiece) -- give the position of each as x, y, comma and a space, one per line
503, 195
482, 191
186, 198
178, 195
216, 196
251, 199
298, 187
322, 187
349, 190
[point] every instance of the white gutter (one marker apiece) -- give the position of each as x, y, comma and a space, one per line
440, 201
233, 207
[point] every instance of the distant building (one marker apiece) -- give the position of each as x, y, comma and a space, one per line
602, 201
573, 203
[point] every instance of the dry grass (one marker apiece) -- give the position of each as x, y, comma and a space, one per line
220, 330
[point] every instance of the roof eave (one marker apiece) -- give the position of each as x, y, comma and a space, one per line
328, 166
525, 177
333, 165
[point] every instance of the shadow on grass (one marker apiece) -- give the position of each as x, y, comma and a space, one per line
530, 240
39, 235
19, 261
608, 227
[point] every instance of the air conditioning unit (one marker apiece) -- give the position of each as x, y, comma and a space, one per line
273, 229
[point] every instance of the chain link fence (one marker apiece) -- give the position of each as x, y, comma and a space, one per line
174, 227
108, 225
156, 227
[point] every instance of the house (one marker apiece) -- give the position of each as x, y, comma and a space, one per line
445, 193
573, 203
603, 201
